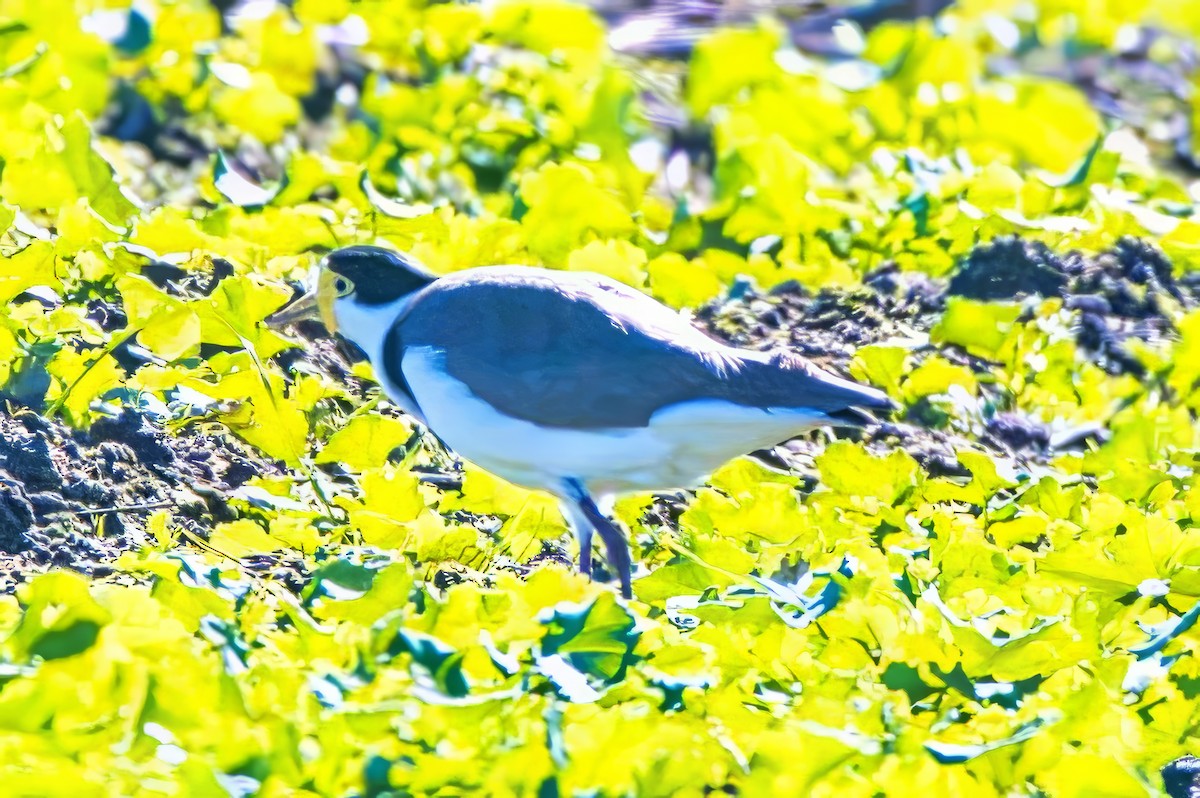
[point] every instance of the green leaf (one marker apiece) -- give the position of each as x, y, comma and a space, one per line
936, 375
238, 188
597, 639
32, 266
953, 753
342, 580
620, 260
850, 469
60, 619
242, 537
979, 327
1184, 377
365, 442
682, 283
882, 366
81, 378
727, 63
61, 169
166, 325
565, 206
441, 662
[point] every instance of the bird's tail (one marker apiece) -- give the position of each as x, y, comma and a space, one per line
784, 379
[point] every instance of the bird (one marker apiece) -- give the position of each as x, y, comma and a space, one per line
569, 382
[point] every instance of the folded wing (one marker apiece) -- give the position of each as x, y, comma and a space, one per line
581, 352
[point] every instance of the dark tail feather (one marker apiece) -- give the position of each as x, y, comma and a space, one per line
787, 380
851, 417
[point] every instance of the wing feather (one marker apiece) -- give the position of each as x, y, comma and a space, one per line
579, 351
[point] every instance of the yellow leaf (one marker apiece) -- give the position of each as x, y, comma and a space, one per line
232, 315
613, 258
365, 442
979, 327
9, 350
391, 498
681, 283
554, 28
879, 365
850, 469
1023, 529
433, 541
168, 326
565, 205
32, 266
240, 538
265, 417
936, 376
727, 63
64, 168
80, 379
260, 109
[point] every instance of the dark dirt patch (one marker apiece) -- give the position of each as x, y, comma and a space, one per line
285, 568
1132, 280
830, 326
78, 499
1129, 291
1019, 432
1009, 267
324, 354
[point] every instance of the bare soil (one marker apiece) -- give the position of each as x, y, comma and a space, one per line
79, 499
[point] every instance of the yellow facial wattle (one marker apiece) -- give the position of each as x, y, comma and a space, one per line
326, 294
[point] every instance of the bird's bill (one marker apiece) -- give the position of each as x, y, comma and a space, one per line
306, 307
317, 303
850, 418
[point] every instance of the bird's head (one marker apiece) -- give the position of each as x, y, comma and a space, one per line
353, 281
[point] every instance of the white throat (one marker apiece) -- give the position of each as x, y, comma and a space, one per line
367, 325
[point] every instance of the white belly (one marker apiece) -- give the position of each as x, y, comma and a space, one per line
682, 444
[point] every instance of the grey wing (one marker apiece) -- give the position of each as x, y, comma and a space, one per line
787, 380
583, 352
561, 350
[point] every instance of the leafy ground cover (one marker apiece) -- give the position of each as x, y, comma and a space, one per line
230, 567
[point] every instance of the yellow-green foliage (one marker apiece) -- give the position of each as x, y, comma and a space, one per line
1010, 634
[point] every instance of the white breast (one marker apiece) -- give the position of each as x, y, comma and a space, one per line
371, 326
682, 444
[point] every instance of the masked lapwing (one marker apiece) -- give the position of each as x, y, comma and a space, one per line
569, 382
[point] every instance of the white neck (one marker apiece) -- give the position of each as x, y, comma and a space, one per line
367, 325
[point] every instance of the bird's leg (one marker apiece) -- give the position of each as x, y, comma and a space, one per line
585, 550
615, 548
583, 529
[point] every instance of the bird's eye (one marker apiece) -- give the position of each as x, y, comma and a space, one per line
342, 286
